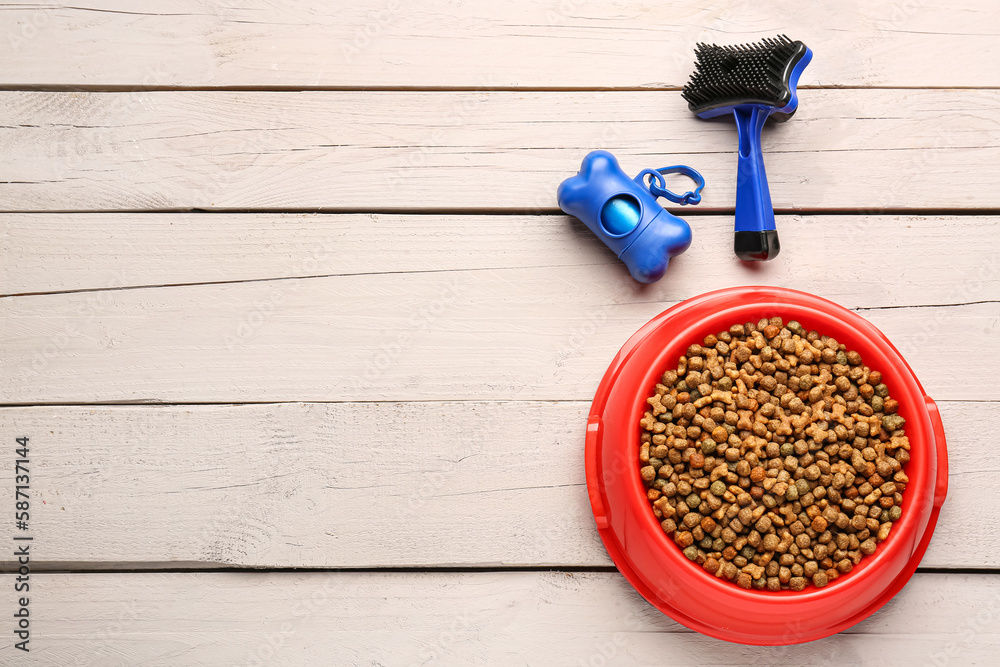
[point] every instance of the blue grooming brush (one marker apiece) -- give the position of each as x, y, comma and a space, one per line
752, 82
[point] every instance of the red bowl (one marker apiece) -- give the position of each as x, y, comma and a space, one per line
650, 560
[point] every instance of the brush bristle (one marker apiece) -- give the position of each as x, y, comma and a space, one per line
747, 73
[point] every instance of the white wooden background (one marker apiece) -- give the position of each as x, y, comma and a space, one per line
305, 348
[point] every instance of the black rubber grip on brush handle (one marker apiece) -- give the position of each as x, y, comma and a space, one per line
757, 246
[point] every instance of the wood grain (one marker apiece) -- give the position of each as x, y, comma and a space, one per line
362, 485
533, 333
554, 43
470, 619
400, 380
64, 252
873, 150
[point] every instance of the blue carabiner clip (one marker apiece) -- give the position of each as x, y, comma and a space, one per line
658, 186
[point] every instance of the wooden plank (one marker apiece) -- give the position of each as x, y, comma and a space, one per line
365, 151
532, 333
460, 618
555, 43
48, 252
362, 485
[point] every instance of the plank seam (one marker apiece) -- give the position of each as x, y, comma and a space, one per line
594, 569
277, 88
158, 404
320, 276
123, 288
928, 305
534, 211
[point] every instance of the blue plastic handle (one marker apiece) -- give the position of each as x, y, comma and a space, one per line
754, 212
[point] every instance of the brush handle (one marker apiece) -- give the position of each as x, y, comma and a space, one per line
756, 236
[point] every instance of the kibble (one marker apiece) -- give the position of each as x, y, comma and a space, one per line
774, 457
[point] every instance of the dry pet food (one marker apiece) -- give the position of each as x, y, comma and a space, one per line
774, 457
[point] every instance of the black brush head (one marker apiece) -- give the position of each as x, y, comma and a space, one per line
757, 73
